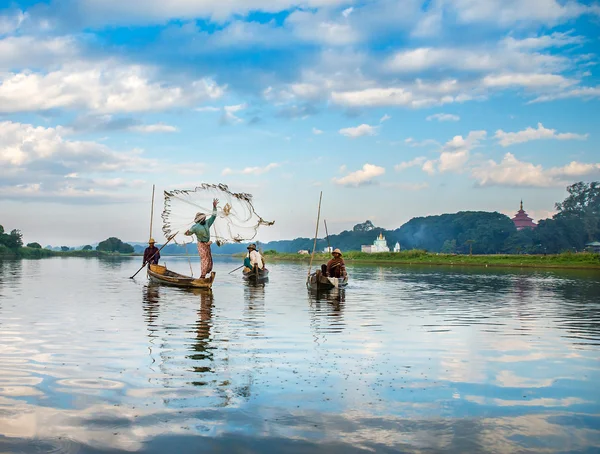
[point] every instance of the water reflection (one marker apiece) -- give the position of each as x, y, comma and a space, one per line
404, 359
327, 310
202, 349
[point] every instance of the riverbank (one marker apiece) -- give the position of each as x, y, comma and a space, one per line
581, 260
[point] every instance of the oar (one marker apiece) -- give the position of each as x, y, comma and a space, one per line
235, 269
170, 238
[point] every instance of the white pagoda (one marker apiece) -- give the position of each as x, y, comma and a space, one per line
397, 247
379, 245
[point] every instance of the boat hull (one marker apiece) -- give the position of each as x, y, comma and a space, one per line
161, 275
316, 281
256, 275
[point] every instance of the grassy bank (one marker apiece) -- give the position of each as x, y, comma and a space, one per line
36, 253
565, 260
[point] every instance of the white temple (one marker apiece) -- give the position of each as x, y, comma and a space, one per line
379, 245
397, 247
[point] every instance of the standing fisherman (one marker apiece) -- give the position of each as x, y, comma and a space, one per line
201, 229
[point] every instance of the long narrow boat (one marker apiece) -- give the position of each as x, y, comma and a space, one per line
256, 274
316, 281
161, 275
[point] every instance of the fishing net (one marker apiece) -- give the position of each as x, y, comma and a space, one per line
236, 220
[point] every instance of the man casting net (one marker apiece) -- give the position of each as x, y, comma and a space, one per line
210, 211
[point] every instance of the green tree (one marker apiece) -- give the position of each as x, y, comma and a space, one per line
87, 247
113, 244
582, 203
34, 245
14, 240
64, 248
449, 247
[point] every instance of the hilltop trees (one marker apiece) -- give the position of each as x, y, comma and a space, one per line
113, 244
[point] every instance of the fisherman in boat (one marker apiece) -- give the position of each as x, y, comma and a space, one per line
201, 229
336, 266
151, 254
253, 259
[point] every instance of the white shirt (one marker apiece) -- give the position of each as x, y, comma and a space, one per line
256, 259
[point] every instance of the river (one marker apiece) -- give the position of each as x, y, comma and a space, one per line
406, 359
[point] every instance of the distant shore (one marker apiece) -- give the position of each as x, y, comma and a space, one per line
581, 260
37, 253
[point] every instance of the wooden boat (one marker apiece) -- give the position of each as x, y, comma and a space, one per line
256, 274
161, 275
316, 281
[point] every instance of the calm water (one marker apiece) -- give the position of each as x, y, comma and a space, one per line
405, 360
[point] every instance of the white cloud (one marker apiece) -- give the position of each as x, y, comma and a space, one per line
316, 131
511, 138
29, 51
208, 109
103, 87
40, 161
423, 143
359, 131
386, 117
527, 80
157, 11
429, 167
376, 97
493, 59
580, 92
506, 12
512, 172
361, 177
556, 39
347, 12
158, 127
412, 163
443, 117
229, 112
319, 28
251, 170
9, 23
455, 153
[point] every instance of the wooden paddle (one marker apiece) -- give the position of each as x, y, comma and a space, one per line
150, 259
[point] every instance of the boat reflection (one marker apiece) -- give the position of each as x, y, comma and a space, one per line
202, 347
327, 310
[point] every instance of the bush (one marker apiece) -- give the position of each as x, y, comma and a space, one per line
34, 245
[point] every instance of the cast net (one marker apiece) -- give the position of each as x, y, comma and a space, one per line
236, 220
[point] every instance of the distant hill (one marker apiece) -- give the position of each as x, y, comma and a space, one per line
485, 232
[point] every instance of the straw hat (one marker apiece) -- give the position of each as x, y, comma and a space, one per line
151, 241
337, 251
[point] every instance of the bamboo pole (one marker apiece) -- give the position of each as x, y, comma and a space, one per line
316, 234
327, 233
152, 212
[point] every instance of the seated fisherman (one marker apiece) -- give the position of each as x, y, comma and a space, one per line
336, 266
254, 258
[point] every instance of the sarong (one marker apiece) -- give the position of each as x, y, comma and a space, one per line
206, 263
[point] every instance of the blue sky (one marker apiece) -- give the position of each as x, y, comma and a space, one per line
394, 109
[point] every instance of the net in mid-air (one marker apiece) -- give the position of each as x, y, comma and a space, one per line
236, 220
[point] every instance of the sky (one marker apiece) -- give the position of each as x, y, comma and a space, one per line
392, 108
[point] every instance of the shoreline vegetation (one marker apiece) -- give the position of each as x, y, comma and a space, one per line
38, 253
578, 260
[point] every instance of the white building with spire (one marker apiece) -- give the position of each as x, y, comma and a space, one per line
379, 245
397, 247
